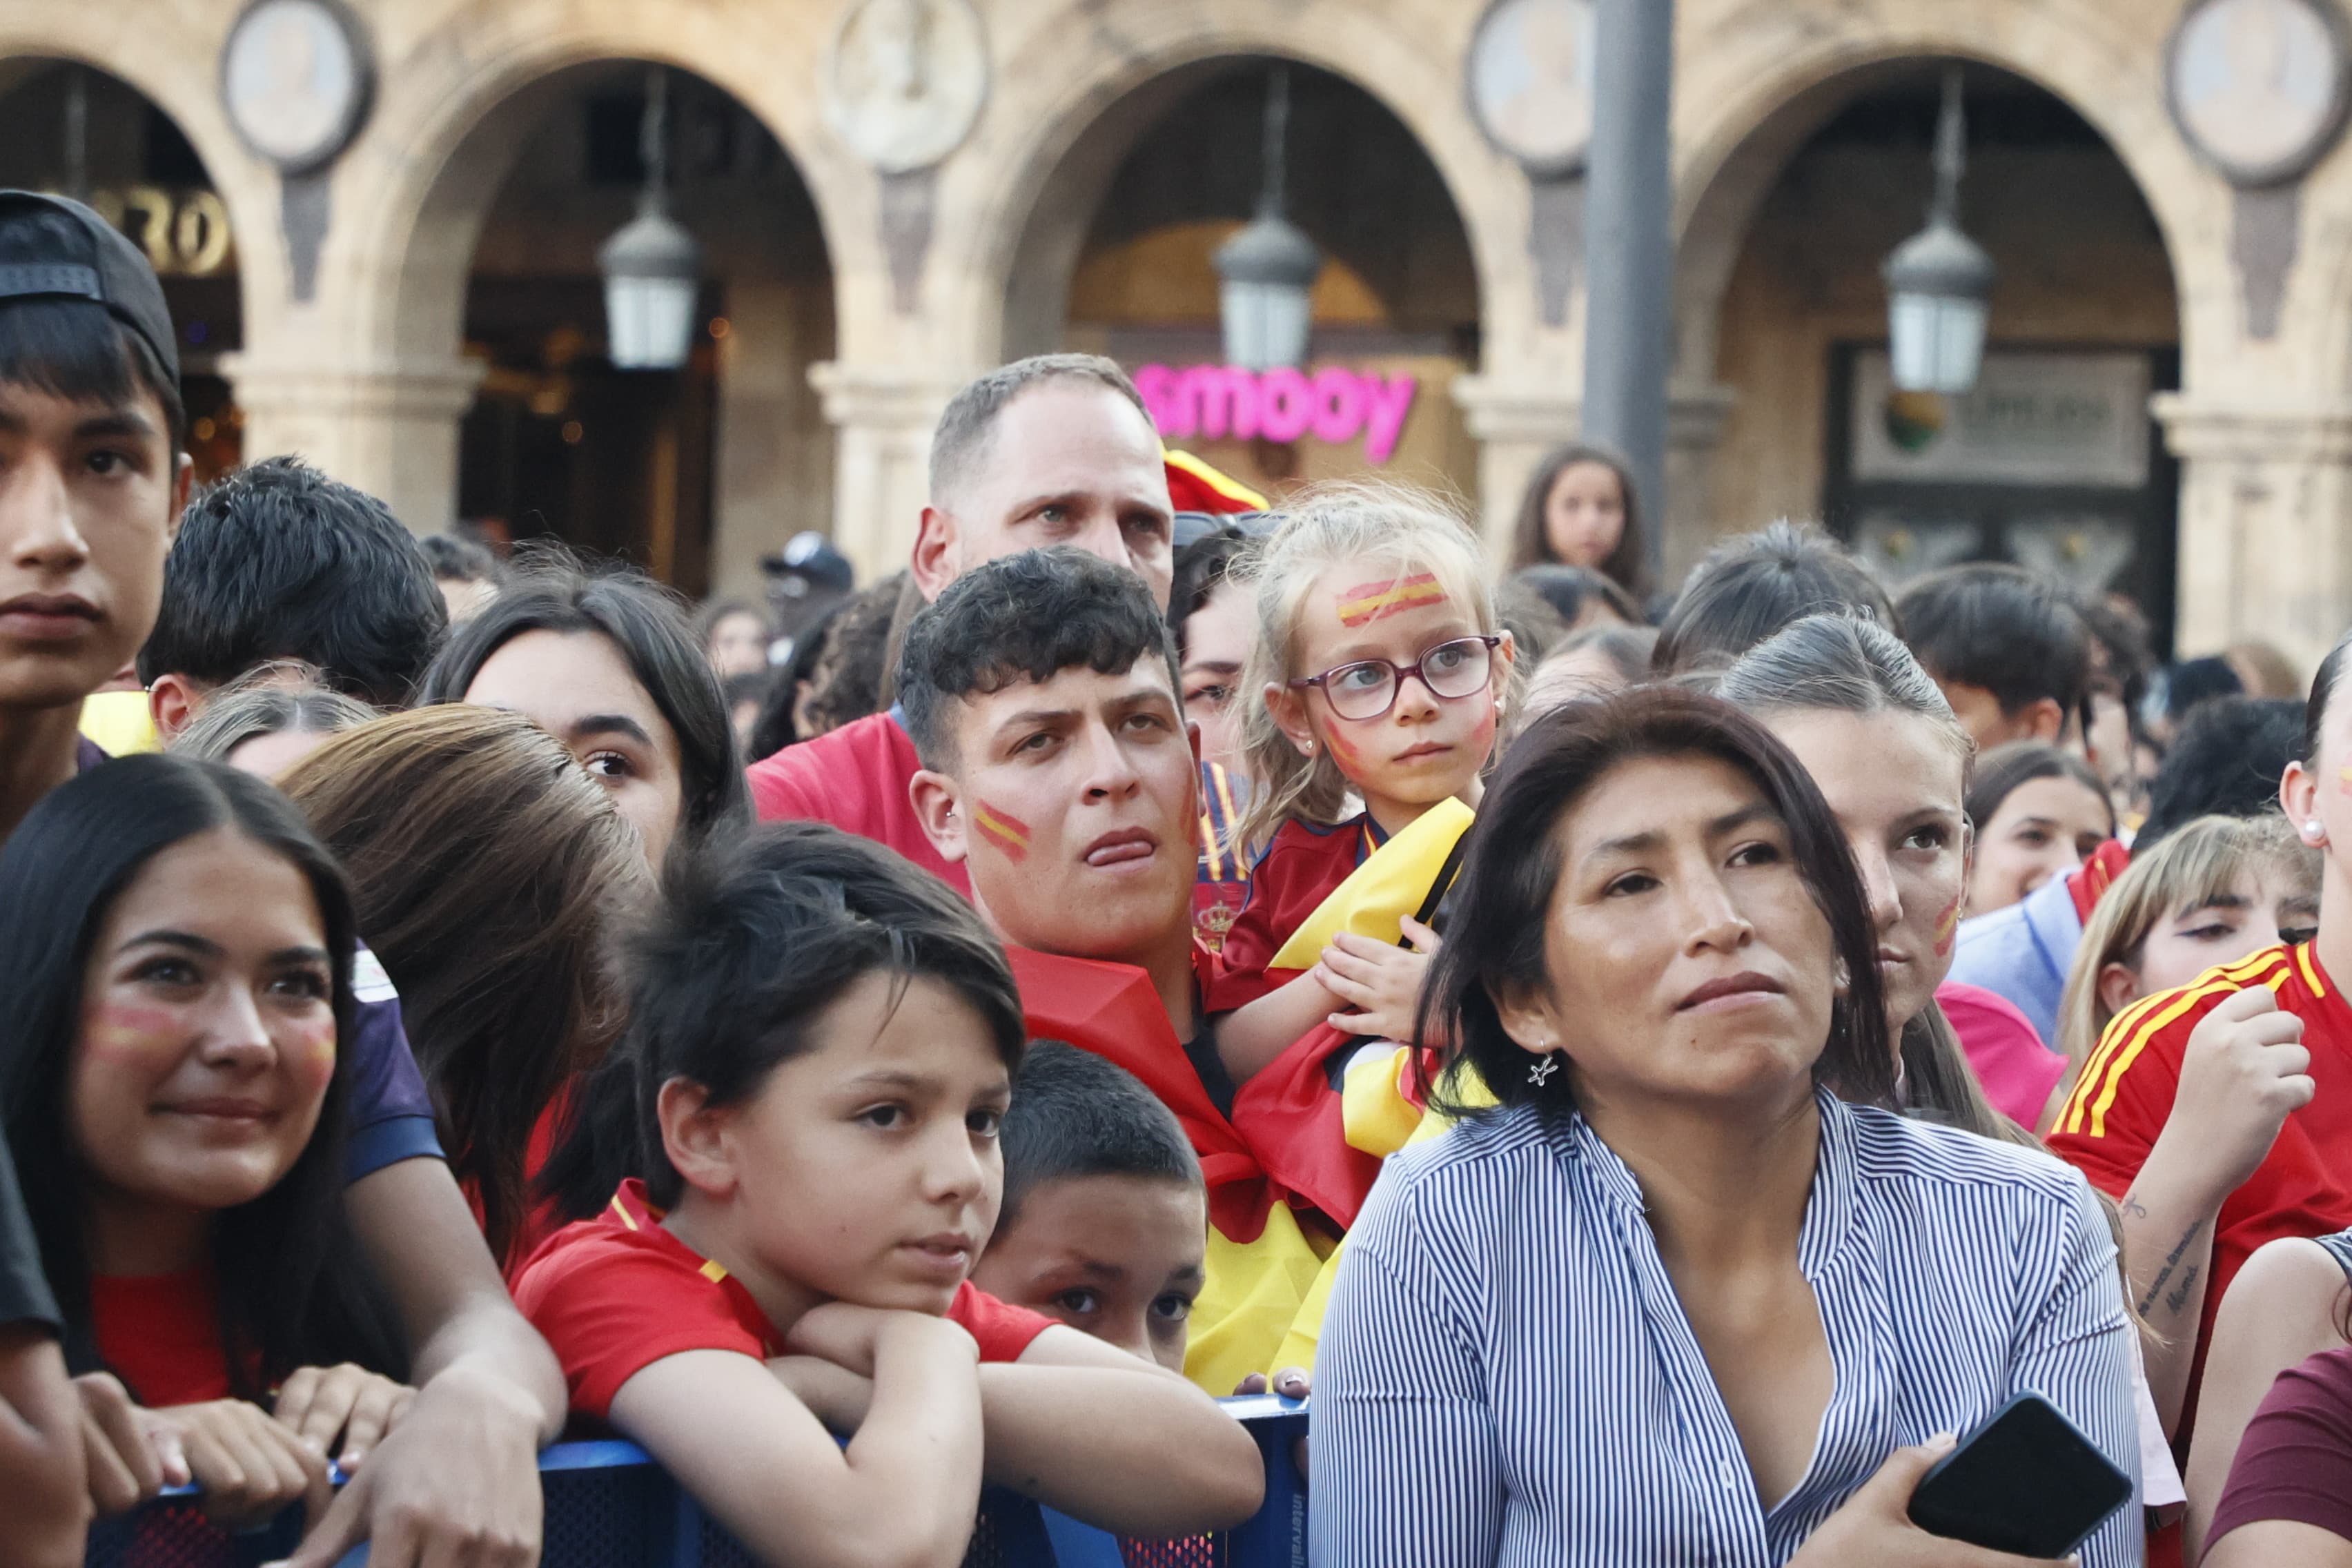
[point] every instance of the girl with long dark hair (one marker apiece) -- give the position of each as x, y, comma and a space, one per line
1580, 509
179, 949
605, 660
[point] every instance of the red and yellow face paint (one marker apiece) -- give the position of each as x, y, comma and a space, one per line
147, 1036
1948, 926
1350, 761
1368, 601
2344, 780
1007, 831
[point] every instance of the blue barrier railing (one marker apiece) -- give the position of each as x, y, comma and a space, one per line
609, 1505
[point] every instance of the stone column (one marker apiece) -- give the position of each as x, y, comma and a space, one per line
388, 429
1695, 417
775, 460
883, 415
1514, 423
2265, 499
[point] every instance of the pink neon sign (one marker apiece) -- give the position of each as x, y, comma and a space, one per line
1335, 404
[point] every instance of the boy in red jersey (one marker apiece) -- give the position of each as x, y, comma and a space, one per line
2221, 1114
822, 1172
1061, 775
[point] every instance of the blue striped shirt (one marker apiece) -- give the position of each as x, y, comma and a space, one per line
1506, 1376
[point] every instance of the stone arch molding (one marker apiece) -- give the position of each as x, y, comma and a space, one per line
150, 53
1766, 78
1117, 63
452, 112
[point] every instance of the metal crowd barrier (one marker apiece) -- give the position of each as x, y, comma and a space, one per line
609, 1505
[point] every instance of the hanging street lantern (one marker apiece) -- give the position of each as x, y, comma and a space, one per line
1939, 281
652, 267
1266, 272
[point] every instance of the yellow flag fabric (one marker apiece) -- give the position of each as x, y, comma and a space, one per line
1391, 884
1253, 1294
118, 721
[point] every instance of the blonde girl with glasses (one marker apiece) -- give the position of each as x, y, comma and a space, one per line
1378, 685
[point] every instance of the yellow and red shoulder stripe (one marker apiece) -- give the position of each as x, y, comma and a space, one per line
2128, 1033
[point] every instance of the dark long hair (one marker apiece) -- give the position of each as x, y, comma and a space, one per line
553, 590
490, 870
1628, 565
292, 1292
1502, 907
2001, 771
757, 934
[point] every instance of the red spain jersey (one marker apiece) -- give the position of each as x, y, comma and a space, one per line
615, 1294
2303, 1188
1298, 870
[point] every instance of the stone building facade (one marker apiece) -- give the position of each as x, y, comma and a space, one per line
1079, 207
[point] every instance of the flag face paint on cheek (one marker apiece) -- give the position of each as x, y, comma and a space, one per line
1948, 926
1368, 602
313, 1045
2344, 780
1007, 831
1348, 760
141, 1036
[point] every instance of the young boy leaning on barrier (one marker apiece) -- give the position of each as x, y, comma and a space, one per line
822, 1043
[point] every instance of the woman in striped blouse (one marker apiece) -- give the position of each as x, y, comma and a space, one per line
1673, 1301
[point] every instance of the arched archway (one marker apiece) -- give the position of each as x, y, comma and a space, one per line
1116, 258
694, 474
2055, 460
132, 162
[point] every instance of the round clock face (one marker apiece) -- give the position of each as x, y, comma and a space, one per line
2257, 86
907, 80
295, 77
1530, 70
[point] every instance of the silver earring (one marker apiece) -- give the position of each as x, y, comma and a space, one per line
1542, 1070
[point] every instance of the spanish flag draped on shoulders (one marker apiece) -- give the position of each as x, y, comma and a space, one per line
2304, 1188
1266, 1245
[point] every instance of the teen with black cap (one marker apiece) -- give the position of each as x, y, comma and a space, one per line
93, 477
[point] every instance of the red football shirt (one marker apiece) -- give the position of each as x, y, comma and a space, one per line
615, 1294
1297, 872
2303, 1188
855, 778
161, 1334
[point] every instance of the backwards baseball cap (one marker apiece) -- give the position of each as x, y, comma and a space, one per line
78, 254
811, 556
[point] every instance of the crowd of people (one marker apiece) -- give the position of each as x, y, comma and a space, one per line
1652, 1068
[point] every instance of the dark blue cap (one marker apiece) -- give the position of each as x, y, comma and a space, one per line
78, 254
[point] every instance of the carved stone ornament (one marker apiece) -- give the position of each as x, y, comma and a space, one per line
2258, 88
905, 81
1529, 75
296, 78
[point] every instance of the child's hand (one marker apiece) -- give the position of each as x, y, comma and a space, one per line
249, 1464
323, 1404
851, 1337
1382, 983
1291, 1382
834, 1394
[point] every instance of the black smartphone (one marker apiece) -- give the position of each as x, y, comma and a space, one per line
2025, 1481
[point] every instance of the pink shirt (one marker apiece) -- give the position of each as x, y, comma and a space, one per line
2018, 1071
